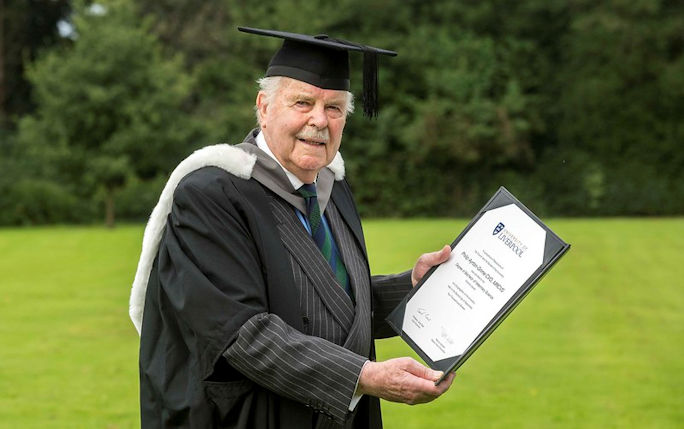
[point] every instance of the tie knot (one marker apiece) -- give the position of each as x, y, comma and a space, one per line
307, 190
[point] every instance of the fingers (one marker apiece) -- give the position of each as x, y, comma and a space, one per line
424, 388
445, 384
448, 380
402, 380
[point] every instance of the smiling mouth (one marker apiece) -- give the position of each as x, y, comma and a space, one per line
311, 142
313, 136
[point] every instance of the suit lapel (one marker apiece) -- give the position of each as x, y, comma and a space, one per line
299, 243
359, 337
345, 205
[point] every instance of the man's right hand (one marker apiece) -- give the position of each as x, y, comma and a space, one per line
402, 380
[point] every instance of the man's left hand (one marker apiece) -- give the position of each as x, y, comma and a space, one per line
427, 261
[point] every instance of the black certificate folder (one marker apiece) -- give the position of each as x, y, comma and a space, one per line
483, 322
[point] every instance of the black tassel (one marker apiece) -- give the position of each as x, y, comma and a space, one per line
370, 84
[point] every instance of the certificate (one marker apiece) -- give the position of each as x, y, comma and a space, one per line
494, 263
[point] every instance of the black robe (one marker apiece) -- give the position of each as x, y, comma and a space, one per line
184, 379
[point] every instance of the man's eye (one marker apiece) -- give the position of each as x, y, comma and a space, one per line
335, 111
302, 103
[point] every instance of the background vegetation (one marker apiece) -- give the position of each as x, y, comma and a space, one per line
575, 106
597, 344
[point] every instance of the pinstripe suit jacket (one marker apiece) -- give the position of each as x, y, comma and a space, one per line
245, 324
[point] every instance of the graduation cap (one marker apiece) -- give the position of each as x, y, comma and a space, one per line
324, 62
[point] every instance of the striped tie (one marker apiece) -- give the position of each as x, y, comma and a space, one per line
322, 235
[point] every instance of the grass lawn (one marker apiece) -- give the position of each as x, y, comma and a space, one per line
599, 343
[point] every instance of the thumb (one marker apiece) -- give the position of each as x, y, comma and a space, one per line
427, 261
421, 371
436, 258
443, 255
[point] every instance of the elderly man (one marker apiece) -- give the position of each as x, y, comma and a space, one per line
253, 294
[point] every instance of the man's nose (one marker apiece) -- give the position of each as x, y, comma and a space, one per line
318, 118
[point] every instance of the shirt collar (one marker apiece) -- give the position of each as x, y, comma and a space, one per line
271, 175
261, 143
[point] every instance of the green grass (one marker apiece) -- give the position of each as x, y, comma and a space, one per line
599, 343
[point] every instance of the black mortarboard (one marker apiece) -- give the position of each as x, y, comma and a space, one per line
324, 62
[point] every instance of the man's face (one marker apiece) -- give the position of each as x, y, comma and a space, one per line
303, 126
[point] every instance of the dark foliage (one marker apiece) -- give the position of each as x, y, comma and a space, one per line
576, 107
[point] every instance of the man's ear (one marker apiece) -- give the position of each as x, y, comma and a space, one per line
261, 106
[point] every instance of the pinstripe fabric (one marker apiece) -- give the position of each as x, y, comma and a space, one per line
359, 338
305, 368
312, 367
388, 291
318, 278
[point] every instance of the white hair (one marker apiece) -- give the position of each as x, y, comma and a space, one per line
272, 84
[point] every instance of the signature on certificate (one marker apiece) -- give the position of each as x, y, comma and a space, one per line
423, 312
446, 337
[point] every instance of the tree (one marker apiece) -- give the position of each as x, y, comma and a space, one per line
621, 109
454, 108
26, 27
109, 108
574, 106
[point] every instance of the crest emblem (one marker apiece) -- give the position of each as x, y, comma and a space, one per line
498, 228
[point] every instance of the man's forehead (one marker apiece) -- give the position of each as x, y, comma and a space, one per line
298, 88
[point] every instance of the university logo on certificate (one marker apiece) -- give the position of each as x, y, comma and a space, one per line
497, 259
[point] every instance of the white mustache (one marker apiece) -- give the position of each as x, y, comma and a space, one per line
322, 135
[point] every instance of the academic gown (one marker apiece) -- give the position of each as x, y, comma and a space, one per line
230, 300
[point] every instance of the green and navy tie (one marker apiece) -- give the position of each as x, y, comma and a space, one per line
322, 236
